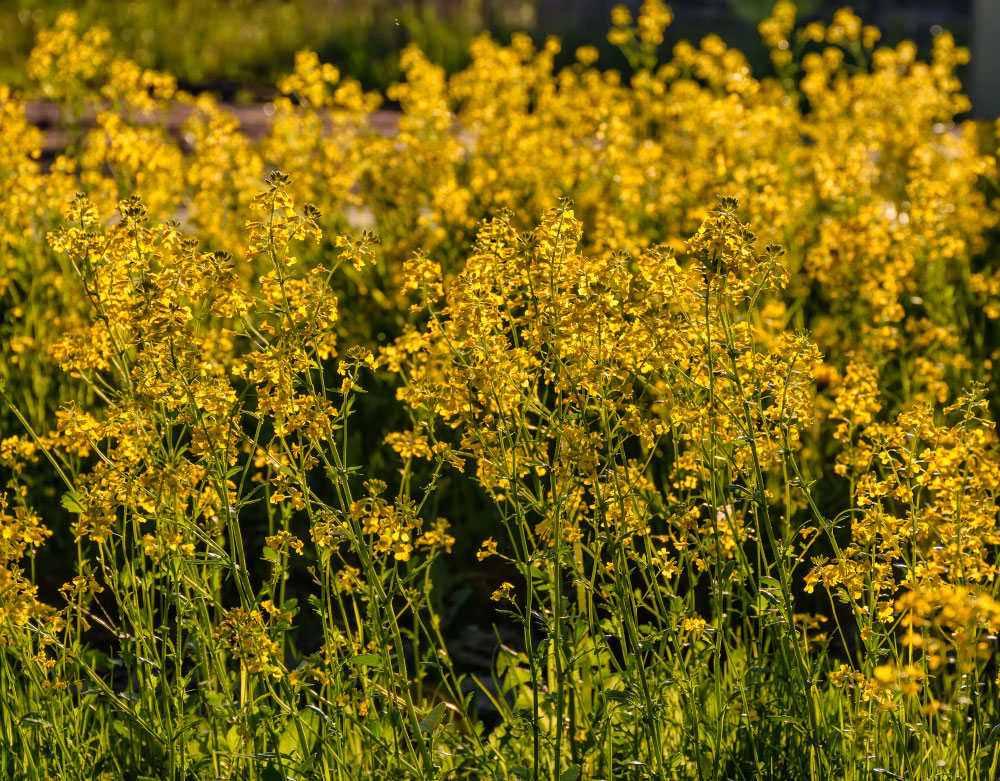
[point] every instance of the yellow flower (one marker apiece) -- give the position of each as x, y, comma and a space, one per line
696, 625
503, 592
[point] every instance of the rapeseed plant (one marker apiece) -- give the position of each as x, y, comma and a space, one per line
696, 365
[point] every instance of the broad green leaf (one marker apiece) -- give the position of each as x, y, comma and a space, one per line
433, 719
71, 501
365, 660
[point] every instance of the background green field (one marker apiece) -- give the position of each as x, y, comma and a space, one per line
241, 47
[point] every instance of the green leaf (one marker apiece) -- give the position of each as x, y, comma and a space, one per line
214, 699
71, 501
433, 719
197, 748
365, 660
234, 740
570, 774
288, 744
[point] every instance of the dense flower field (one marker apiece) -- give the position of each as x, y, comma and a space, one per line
692, 372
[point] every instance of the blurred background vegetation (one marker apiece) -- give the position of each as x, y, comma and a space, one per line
239, 48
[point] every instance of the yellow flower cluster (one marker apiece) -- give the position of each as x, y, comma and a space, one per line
20, 530
246, 633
